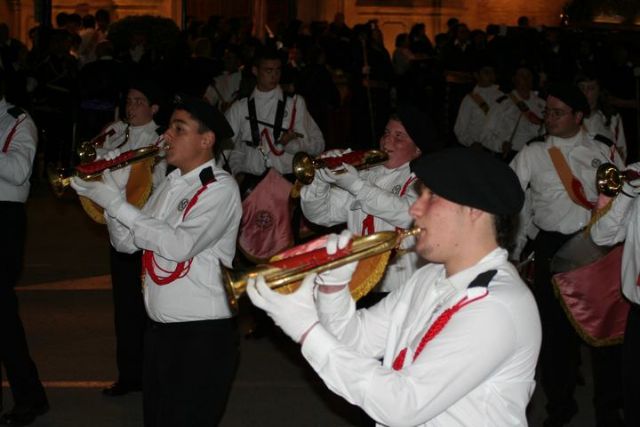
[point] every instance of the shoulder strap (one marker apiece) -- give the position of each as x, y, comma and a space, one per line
571, 184
253, 122
277, 125
480, 102
601, 138
16, 111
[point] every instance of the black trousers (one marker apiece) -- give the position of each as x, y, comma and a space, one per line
560, 353
631, 372
188, 370
129, 315
14, 353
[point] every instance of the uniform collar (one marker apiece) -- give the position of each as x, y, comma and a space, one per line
266, 96
577, 139
461, 280
193, 177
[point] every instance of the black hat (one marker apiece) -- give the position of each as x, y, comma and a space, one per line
572, 96
472, 178
149, 89
206, 114
418, 125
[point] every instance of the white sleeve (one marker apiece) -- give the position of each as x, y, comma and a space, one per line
611, 228
16, 163
520, 165
387, 206
464, 355
492, 134
324, 204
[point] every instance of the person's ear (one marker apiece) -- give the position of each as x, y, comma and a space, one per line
208, 140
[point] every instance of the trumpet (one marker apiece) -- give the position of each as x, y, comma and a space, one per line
279, 273
87, 150
304, 166
60, 178
609, 179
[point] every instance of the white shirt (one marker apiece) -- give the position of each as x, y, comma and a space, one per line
477, 372
139, 136
256, 160
17, 161
618, 224
380, 197
596, 124
224, 88
471, 119
507, 117
207, 234
549, 206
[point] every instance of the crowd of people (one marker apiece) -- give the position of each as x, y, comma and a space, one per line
491, 141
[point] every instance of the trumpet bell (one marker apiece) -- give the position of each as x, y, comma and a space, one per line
609, 179
304, 166
86, 152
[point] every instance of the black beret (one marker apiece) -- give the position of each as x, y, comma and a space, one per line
472, 178
149, 89
418, 125
572, 96
206, 114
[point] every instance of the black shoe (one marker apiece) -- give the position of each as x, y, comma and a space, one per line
23, 416
120, 389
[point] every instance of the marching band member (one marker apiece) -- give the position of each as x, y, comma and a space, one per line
137, 131
476, 106
18, 138
459, 341
618, 224
187, 230
378, 198
517, 119
559, 173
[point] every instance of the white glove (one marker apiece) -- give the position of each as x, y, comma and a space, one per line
294, 313
348, 179
342, 275
105, 194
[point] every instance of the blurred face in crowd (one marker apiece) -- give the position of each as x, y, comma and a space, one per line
188, 145
591, 90
268, 74
139, 111
397, 143
485, 77
523, 81
560, 119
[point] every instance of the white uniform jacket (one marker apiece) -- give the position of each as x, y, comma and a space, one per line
18, 141
139, 136
596, 123
506, 120
207, 235
256, 160
477, 372
549, 207
472, 119
620, 223
224, 89
386, 195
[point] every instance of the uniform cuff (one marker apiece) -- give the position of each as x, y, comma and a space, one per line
317, 345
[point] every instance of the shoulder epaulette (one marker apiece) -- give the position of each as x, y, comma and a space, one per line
482, 280
539, 138
207, 176
601, 138
16, 111
502, 98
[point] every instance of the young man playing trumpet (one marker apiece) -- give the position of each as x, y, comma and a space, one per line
137, 130
459, 341
375, 199
187, 230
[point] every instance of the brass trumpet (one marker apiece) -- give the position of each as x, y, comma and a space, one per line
609, 179
304, 166
281, 273
60, 178
87, 150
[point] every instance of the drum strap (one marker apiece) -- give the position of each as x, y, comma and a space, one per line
480, 102
571, 184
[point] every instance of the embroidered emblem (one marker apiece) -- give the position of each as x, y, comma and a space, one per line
264, 219
396, 189
595, 163
183, 204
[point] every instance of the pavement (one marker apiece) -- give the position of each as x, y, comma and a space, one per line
66, 307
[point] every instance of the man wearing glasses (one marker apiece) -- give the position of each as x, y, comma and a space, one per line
557, 209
